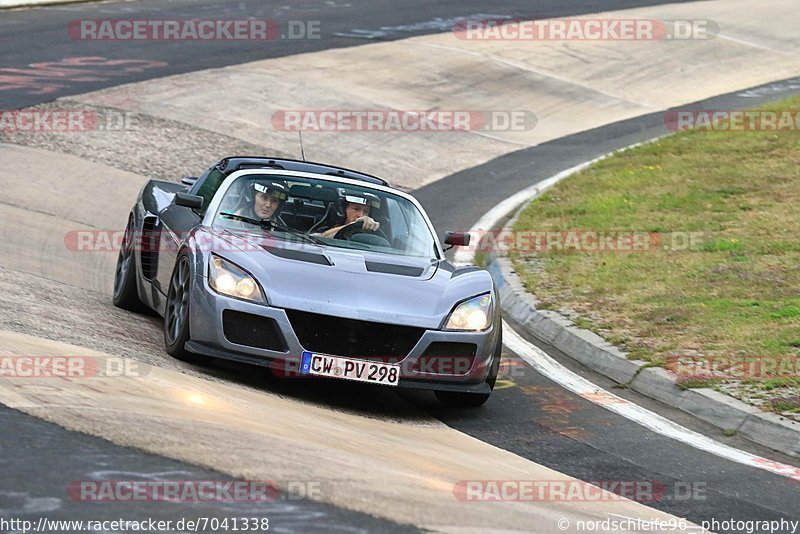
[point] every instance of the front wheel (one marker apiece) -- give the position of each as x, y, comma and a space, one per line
176, 316
458, 399
126, 295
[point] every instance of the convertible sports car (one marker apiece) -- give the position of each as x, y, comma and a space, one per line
314, 270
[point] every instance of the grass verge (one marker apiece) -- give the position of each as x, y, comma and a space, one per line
718, 279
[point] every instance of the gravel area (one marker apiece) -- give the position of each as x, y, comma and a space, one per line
51, 310
136, 142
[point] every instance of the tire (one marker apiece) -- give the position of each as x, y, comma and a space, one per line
458, 399
176, 314
126, 294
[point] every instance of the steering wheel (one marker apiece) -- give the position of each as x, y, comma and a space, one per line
348, 231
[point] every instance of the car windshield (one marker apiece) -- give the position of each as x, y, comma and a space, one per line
327, 213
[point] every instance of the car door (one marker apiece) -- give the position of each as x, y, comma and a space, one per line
175, 224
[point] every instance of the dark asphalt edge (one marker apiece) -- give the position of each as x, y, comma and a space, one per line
19, 427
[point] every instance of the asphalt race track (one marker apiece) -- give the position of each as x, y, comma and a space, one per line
39, 35
528, 415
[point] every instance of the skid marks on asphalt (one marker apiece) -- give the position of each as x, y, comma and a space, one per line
49, 77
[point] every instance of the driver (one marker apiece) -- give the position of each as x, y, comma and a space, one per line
357, 205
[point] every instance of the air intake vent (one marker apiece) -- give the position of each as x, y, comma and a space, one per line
447, 358
390, 268
252, 331
151, 235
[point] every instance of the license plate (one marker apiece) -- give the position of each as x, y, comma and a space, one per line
350, 369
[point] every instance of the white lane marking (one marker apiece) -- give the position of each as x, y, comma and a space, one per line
553, 370
23, 503
751, 43
777, 87
437, 24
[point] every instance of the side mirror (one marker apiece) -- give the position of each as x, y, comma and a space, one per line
457, 239
189, 201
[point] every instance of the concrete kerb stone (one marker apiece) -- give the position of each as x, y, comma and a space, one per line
659, 384
773, 431
591, 350
717, 408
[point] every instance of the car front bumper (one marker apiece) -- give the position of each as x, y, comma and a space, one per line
208, 338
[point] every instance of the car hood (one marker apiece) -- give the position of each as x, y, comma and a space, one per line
357, 284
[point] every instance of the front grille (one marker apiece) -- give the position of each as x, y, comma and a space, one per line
252, 331
447, 358
357, 339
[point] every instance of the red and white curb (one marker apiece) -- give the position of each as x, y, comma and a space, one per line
582, 387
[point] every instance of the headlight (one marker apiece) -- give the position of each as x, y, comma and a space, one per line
229, 279
473, 314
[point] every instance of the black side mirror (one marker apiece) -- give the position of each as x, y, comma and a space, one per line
188, 201
457, 239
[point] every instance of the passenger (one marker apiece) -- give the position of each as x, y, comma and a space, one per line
268, 199
261, 199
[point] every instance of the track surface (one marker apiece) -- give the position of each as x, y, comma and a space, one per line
532, 417
31, 37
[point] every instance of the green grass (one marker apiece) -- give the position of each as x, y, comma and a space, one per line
736, 291
791, 404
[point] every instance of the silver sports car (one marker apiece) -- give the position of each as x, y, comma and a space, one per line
313, 270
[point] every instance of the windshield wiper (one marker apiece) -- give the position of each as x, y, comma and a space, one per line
267, 224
